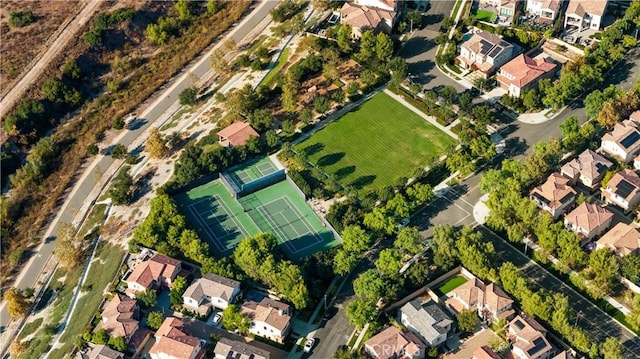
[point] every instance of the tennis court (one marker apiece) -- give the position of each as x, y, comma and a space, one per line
250, 172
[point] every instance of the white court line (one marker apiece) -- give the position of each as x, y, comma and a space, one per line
283, 237
206, 228
301, 217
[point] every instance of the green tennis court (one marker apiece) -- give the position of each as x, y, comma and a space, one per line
278, 209
251, 171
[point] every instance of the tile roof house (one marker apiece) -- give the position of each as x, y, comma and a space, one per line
584, 14
269, 318
554, 195
507, 10
392, 343
547, 10
120, 317
589, 168
485, 52
623, 190
236, 349
588, 220
173, 343
528, 339
236, 134
623, 239
484, 352
490, 301
427, 321
523, 73
623, 141
158, 271
100, 352
362, 18
209, 291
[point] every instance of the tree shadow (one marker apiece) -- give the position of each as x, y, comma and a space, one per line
362, 181
345, 171
417, 46
421, 66
328, 160
314, 148
432, 19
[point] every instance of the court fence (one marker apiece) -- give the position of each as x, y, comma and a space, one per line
262, 182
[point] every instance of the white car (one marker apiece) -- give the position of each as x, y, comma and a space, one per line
308, 345
217, 318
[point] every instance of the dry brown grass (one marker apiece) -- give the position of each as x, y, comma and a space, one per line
20, 45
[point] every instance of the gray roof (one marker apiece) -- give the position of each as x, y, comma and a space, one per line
100, 352
213, 285
428, 318
239, 350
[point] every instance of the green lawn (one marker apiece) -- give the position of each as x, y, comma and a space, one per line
271, 76
485, 15
455, 9
375, 144
452, 284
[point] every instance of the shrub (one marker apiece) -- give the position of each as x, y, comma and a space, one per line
20, 18
188, 96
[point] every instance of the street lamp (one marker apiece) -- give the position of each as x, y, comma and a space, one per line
577, 316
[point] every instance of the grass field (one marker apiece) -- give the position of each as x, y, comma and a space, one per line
484, 15
373, 145
452, 284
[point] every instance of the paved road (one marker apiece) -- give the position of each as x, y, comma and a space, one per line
68, 33
93, 174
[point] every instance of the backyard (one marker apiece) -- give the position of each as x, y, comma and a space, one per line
375, 144
486, 15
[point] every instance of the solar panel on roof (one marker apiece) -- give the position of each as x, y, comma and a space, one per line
485, 46
631, 139
624, 189
519, 324
601, 167
538, 344
495, 51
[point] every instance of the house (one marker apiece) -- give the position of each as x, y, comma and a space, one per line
528, 339
636, 163
427, 321
490, 301
236, 349
236, 134
209, 291
485, 52
156, 272
394, 343
363, 18
623, 190
120, 317
173, 343
507, 10
484, 352
584, 14
589, 168
388, 5
623, 141
100, 352
554, 195
269, 318
623, 239
588, 220
523, 73
547, 10
565, 354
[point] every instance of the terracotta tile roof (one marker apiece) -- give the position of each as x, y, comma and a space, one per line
138, 339
484, 352
550, 4
485, 43
625, 130
589, 164
393, 337
152, 270
624, 239
589, 216
172, 341
522, 70
635, 116
496, 298
236, 349
170, 264
555, 191
625, 184
565, 354
238, 133
582, 7
121, 316
363, 17
529, 336
212, 285
268, 311
471, 292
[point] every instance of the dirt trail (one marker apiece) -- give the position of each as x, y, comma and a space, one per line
69, 31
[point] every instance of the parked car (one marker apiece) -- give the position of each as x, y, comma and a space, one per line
308, 345
217, 318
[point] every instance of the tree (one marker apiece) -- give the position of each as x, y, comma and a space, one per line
360, 312
630, 267
156, 145
444, 248
355, 239
218, 62
177, 290
100, 337
212, 6
118, 343
154, 320
409, 240
183, 7
380, 221
119, 151
474, 254
18, 347
149, 298
467, 320
415, 18
604, 266
188, 96
344, 262
370, 286
346, 353
67, 247
233, 319
121, 192
367, 46
344, 38
389, 262
321, 104
17, 304
611, 349
570, 126
384, 47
